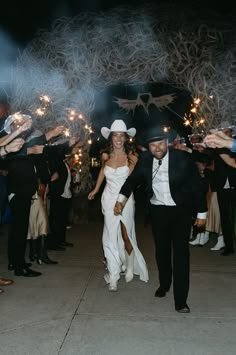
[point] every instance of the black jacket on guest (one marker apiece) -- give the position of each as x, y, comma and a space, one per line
223, 171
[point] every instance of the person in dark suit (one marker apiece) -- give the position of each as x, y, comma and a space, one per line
60, 196
225, 179
22, 183
175, 192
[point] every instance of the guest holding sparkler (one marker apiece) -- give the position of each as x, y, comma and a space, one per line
59, 193
22, 184
10, 144
226, 180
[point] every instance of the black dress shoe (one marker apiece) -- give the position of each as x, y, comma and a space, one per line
160, 292
48, 261
227, 252
66, 244
183, 308
26, 272
12, 267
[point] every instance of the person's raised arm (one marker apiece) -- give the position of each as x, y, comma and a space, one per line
54, 132
228, 160
12, 147
9, 137
218, 140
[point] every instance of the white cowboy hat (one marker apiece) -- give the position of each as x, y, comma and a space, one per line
117, 126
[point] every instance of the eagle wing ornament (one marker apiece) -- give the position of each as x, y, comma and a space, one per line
160, 102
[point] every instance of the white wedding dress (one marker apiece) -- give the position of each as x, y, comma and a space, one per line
113, 244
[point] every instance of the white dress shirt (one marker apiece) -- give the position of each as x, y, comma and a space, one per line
67, 190
160, 183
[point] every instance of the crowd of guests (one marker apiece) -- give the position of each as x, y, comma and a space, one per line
37, 189
190, 193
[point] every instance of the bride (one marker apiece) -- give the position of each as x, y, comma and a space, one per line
119, 237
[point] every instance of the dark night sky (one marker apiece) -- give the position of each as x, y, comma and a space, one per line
21, 19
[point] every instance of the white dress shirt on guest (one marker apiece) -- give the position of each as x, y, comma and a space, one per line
67, 190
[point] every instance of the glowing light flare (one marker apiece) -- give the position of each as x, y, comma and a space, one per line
45, 98
89, 141
196, 101
40, 111
67, 132
193, 110
187, 122
166, 129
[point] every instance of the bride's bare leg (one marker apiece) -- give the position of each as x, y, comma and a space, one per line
129, 255
128, 245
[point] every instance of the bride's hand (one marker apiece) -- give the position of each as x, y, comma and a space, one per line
118, 208
91, 195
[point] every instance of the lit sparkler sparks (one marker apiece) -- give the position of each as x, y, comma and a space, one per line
67, 132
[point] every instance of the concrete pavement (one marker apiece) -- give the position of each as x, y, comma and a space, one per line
69, 310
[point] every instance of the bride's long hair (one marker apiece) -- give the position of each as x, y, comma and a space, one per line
129, 147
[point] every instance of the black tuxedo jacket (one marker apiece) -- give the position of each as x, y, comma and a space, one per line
56, 188
22, 176
187, 188
223, 171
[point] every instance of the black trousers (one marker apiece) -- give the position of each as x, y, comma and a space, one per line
227, 202
171, 228
58, 217
17, 238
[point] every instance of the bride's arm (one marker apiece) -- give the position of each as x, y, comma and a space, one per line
100, 178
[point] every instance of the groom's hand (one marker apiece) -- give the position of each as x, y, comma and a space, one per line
118, 208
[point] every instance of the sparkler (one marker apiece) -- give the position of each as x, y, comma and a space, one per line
45, 102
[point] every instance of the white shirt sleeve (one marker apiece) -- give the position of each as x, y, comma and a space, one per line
121, 198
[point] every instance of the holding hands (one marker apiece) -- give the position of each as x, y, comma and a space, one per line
118, 208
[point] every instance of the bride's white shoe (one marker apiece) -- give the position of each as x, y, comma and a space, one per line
112, 286
130, 266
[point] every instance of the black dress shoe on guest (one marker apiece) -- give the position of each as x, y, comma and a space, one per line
226, 252
12, 267
160, 292
183, 308
26, 272
45, 260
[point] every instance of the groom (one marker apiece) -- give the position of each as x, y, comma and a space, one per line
176, 194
